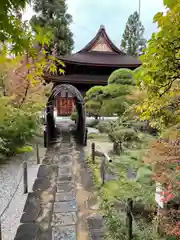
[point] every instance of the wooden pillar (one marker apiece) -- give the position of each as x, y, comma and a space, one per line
50, 123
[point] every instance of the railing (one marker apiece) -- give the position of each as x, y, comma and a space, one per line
22, 174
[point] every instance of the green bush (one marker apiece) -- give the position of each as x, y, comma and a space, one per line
103, 127
123, 135
122, 76
93, 124
17, 126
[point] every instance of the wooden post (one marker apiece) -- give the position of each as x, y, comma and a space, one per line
86, 135
25, 178
0, 230
93, 152
102, 169
37, 153
129, 218
45, 138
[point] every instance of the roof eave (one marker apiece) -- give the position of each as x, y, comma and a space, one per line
101, 64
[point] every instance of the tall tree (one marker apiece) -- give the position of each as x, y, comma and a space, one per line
52, 14
11, 25
133, 42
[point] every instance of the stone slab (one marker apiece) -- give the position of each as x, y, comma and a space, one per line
41, 184
67, 196
64, 178
65, 170
32, 198
60, 219
95, 222
27, 232
62, 207
44, 234
56, 159
47, 171
65, 151
96, 235
66, 159
64, 233
64, 187
32, 209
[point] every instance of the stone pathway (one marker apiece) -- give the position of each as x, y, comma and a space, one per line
58, 208
50, 211
65, 207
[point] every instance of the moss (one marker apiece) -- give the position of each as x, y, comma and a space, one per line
99, 136
95, 168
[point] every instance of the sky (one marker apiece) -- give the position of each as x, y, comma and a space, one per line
88, 15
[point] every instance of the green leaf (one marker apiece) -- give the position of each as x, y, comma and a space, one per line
24, 149
61, 62
170, 3
143, 172
52, 68
157, 16
61, 71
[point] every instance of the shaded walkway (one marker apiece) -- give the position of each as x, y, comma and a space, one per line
50, 210
58, 206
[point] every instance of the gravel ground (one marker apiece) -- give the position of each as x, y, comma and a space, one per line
10, 177
92, 130
102, 146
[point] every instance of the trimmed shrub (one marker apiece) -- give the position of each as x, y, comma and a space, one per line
103, 127
122, 76
93, 123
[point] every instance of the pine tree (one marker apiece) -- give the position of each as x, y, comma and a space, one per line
133, 41
52, 14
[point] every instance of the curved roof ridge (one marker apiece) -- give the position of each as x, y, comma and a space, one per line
101, 32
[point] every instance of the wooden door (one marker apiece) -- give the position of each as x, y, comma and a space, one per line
64, 106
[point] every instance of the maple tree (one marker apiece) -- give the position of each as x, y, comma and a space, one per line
160, 71
164, 156
23, 91
11, 27
159, 78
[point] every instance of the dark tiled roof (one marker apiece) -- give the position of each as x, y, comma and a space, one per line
101, 33
102, 59
78, 78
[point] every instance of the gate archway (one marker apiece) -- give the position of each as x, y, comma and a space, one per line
81, 113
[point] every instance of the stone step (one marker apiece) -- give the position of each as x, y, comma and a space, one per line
64, 233
64, 219
64, 178
64, 187
47, 171
68, 196
63, 207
